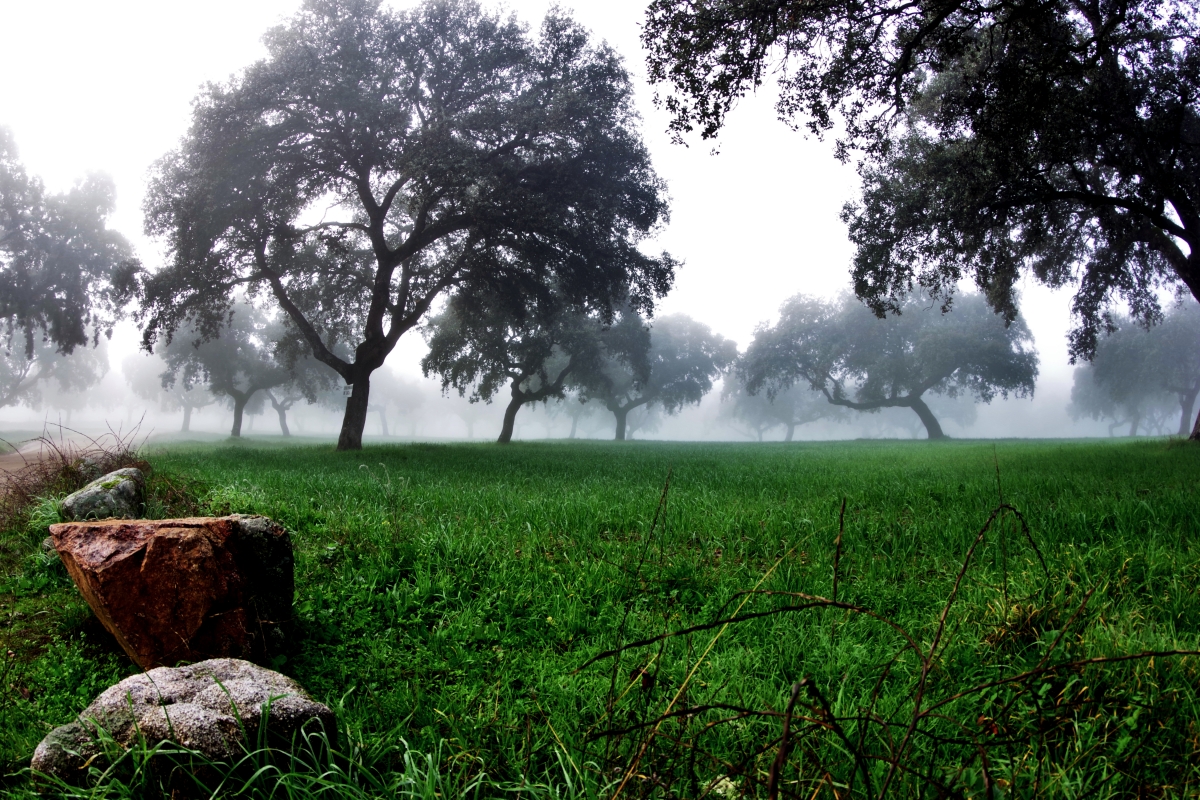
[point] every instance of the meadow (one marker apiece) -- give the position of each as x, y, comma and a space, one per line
567, 619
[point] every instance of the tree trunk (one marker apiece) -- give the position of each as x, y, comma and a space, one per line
1187, 401
510, 416
187, 420
282, 412
622, 415
1133, 424
239, 406
383, 422
1195, 437
355, 419
928, 419
791, 432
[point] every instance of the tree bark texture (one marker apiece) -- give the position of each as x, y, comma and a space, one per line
510, 416
355, 419
239, 407
928, 419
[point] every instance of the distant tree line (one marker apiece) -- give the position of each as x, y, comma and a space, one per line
442, 168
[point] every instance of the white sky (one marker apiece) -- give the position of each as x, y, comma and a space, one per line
107, 86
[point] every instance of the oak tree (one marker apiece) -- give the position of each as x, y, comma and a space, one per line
1059, 139
1137, 373
482, 345
862, 362
377, 159
789, 408
144, 373
59, 261
669, 363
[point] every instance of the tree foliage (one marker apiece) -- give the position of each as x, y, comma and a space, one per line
246, 358
669, 364
859, 361
1139, 377
482, 344
1058, 138
145, 373
379, 158
24, 379
58, 260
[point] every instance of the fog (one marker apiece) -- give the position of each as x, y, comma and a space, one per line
108, 87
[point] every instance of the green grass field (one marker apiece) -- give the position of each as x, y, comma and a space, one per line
450, 597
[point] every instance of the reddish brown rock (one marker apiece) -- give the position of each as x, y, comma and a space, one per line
184, 589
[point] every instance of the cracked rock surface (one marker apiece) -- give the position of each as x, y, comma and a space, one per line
190, 589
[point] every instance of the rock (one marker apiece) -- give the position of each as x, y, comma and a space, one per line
117, 494
89, 467
184, 589
215, 707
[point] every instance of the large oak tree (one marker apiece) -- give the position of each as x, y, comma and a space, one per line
865, 363
1057, 138
377, 159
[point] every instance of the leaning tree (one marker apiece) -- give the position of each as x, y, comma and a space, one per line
1060, 139
862, 362
482, 344
670, 363
379, 158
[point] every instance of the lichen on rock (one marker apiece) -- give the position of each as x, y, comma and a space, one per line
118, 495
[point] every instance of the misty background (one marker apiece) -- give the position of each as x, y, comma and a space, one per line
108, 87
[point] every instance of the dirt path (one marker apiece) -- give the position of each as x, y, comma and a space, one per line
28, 453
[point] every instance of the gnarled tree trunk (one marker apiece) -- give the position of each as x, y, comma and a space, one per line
927, 419
510, 416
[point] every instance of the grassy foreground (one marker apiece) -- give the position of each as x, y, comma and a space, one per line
450, 597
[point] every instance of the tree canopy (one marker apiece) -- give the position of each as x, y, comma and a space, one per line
669, 363
59, 261
24, 379
1138, 376
859, 361
1057, 138
247, 357
144, 373
379, 158
481, 344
